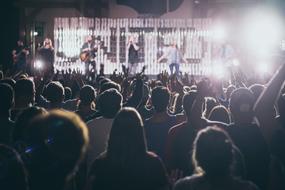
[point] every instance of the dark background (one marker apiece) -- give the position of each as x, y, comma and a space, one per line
9, 15
156, 7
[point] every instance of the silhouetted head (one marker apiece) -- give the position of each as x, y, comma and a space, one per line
6, 98
9, 81
188, 100
256, 89
23, 121
87, 95
209, 104
55, 92
57, 143
229, 91
241, 105
23, 76
25, 92
101, 80
13, 174
67, 93
127, 140
109, 85
110, 102
160, 98
213, 152
221, 114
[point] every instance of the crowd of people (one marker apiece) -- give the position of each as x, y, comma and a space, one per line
130, 132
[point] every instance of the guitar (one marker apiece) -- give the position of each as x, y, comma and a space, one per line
88, 54
84, 56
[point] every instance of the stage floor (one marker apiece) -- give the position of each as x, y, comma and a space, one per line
151, 68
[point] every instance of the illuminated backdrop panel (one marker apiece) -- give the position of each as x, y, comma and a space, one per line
193, 37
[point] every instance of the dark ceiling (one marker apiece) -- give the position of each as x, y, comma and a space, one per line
156, 7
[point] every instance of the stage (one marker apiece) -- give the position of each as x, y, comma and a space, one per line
192, 36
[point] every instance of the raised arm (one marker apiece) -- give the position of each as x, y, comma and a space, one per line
161, 58
265, 104
197, 108
165, 54
136, 97
136, 46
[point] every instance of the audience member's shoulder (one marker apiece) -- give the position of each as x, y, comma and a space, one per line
173, 130
153, 161
187, 182
218, 123
251, 128
101, 158
152, 155
215, 123
98, 163
173, 116
7, 124
148, 120
94, 121
11, 123
244, 185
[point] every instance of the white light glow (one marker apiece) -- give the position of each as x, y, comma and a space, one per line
263, 68
38, 64
219, 33
236, 62
218, 71
262, 30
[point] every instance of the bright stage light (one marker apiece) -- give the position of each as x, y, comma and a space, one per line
283, 45
38, 64
218, 71
219, 33
262, 32
263, 68
236, 62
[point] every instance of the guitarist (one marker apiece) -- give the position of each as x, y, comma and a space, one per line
20, 54
87, 49
88, 54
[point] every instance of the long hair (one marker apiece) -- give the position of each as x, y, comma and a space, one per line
220, 113
13, 174
213, 153
126, 145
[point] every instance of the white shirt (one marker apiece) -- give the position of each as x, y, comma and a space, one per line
173, 55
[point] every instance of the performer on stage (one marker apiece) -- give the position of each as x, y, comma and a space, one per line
227, 54
88, 45
133, 55
88, 54
20, 54
46, 55
173, 56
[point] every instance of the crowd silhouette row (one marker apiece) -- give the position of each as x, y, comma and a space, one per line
130, 132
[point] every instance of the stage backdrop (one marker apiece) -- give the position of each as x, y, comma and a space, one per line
193, 37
